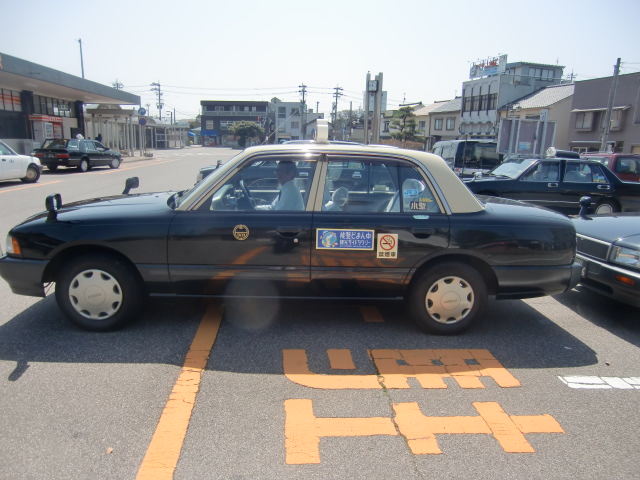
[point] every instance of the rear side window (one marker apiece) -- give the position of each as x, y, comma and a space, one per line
377, 186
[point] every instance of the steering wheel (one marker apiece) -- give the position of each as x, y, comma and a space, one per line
223, 199
247, 201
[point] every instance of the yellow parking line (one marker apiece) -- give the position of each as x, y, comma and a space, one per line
164, 450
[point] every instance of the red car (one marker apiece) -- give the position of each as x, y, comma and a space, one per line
626, 166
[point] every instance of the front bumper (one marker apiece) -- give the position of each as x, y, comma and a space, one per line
23, 276
604, 278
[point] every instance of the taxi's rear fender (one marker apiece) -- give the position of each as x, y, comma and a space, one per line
484, 269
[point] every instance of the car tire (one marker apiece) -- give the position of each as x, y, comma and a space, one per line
606, 206
115, 163
84, 165
52, 168
98, 292
447, 298
32, 176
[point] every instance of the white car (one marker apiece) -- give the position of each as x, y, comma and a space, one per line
18, 167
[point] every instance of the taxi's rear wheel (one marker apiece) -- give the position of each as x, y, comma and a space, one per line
447, 298
98, 292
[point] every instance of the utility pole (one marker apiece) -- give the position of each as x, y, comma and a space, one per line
155, 87
607, 117
81, 59
337, 95
117, 85
303, 111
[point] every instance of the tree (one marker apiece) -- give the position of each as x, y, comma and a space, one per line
403, 124
245, 129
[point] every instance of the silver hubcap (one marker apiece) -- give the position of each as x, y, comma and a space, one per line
31, 174
604, 208
449, 300
95, 294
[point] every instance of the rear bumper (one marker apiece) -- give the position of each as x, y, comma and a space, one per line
530, 282
23, 276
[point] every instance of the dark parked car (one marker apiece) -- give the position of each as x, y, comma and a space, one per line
559, 183
350, 221
79, 153
609, 252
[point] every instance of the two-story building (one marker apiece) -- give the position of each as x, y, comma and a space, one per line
289, 122
495, 83
588, 114
218, 116
444, 122
551, 104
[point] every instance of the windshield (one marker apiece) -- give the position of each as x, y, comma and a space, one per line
512, 168
202, 186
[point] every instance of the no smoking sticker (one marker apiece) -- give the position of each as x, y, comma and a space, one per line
387, 245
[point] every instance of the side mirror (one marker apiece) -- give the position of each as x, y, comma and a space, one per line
585, 205
52, 204
132, 182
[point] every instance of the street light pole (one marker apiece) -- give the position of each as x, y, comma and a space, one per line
81, 59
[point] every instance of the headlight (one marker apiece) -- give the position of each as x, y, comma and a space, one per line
626, 256
13, 246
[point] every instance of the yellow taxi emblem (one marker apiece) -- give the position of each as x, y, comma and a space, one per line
241, 232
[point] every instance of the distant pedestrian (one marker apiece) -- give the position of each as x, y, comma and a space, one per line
99, 137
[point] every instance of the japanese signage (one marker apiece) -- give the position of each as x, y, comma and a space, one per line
342, 239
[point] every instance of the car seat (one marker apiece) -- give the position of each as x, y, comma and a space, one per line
338, 200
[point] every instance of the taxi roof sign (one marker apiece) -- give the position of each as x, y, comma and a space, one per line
322, 131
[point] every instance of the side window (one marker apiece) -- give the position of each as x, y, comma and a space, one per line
273, 184
583, 173
543, 172
377, 186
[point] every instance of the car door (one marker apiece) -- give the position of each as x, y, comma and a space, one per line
540, 185
96, 157
11, 165
369, 235
581, 179
238, 240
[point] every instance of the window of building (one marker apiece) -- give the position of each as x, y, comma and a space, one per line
282, 112
466, 107
219, 108
584, 121
437, 124
493, 101
10, 101
295, 112
451, 123
421, 125
385, 126
226, 124
475, 103
616, 120
295, 125
52, 106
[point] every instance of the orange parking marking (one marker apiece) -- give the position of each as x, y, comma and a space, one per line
371, 314
340, 359
508, 430
429, 367
164, 450
303, 430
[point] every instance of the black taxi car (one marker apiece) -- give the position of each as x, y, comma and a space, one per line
559, 181
325, 220
76, 152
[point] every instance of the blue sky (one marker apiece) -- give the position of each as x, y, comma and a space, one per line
255, 50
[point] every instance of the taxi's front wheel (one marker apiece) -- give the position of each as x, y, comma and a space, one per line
98, 292
447, 298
